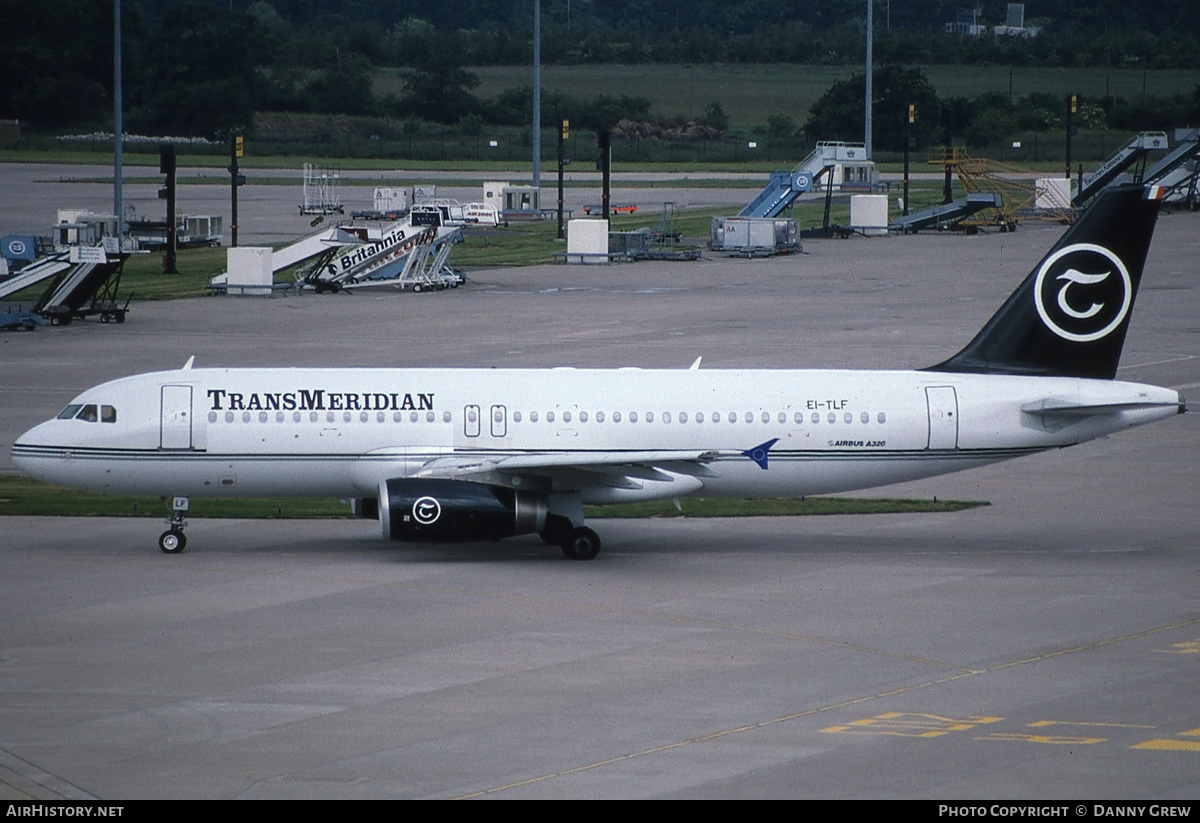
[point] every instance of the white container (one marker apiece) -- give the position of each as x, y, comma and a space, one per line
869, 213
587, 241
1052, 193
249, 270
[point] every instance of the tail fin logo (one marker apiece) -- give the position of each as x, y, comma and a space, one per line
1083, 292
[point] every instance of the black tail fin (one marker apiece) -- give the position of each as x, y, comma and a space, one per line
1070, 316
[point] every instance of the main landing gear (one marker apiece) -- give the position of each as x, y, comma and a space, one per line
173, 540
577, 542
581, 544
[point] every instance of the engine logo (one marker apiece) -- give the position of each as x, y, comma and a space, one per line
426, 511
1083, 292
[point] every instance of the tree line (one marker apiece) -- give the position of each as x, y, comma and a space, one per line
205, 67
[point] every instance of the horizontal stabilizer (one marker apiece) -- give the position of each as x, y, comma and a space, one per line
1053, 407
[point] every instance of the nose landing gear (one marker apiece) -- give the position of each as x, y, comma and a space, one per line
173, 540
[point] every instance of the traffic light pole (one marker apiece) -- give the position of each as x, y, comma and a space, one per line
234, 151
1072, 103
604, 138
562, 161
166, 165
912, 110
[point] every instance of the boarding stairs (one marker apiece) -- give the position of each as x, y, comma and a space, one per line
947, 214
1179, 171
34, 273
321, 242
780, 192
784, 187
1133, 151
87, 287
397, 254
421, 267
305, 248
83, 282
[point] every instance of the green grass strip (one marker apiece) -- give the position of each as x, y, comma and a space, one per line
780, 507
22, 496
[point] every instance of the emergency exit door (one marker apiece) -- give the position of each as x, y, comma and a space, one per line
943, 417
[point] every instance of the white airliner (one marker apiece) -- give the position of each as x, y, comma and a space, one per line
453, 455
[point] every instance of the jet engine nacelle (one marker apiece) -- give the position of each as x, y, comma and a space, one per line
365, 507
456, 511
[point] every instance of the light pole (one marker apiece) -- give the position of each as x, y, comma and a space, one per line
118, 126
537, 94
867, 105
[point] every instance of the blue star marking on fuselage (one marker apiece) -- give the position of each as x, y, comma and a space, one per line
759, 453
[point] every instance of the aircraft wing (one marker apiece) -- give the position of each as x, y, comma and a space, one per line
654, 474
634, 465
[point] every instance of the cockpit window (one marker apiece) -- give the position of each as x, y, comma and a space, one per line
89, 413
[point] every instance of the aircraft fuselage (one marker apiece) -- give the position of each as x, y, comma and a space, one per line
340, 432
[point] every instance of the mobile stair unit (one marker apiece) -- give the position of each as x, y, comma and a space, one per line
1132, 152
407, 254
947, 214
847, 162
87, 287
36, 272
1179, 171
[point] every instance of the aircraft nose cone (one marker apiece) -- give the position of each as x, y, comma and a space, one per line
26, 450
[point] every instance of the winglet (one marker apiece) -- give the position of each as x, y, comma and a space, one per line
759, 453
696, 366
188, 365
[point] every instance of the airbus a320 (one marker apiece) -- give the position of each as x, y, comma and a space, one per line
460, 455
